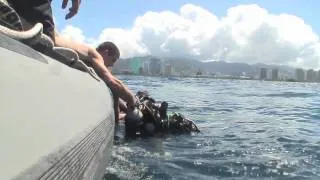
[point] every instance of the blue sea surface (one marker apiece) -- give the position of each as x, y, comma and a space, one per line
249, 130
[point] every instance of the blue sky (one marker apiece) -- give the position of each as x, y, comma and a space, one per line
288, 34
95, 15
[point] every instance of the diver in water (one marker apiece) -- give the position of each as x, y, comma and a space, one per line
150, 117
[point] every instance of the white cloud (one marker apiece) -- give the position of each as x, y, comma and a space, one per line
127, 40
73, 33
248, 33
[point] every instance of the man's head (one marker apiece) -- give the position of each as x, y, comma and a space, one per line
109, 52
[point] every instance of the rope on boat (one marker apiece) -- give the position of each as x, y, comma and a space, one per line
31, 36
76, 62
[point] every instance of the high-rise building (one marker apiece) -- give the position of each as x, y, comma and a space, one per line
155, 66
311, 75
168, 69
136, 65
146, 70
275, 74
300, 75
263, 73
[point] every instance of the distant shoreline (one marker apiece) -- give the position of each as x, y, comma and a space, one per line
214, 77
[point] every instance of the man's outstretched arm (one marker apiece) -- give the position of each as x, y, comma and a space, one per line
118, 87
91, 54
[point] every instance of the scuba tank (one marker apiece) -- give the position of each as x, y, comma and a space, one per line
133, 121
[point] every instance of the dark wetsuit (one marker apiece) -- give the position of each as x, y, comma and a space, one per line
34, 11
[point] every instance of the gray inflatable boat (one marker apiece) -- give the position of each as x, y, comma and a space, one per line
56, 122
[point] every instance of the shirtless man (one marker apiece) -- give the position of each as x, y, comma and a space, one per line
110, 54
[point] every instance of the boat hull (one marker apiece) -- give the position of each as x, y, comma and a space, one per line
55, 121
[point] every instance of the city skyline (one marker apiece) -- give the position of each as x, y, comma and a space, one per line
150, 65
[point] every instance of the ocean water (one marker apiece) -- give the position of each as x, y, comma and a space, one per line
249, 130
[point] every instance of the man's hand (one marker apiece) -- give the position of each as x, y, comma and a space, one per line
74, 8
132, 103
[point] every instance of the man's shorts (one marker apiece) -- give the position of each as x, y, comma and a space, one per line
34, 11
